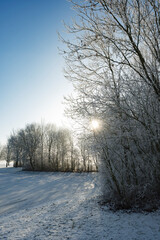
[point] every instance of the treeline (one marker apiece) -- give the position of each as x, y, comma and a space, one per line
46, 148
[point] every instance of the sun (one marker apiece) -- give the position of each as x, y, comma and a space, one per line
95, 124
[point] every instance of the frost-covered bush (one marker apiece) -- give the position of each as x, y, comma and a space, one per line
130, 152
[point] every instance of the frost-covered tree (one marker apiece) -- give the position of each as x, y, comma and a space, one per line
114, 64
3, 152
14, 150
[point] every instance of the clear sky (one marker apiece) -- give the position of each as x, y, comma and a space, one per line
32, 85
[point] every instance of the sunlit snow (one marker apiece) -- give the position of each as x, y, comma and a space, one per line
36, 205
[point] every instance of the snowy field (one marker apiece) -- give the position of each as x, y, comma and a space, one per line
61, 206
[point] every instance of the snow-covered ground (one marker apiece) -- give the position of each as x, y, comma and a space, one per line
61, 206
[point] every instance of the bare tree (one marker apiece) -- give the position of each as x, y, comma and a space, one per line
51, 139
114, 64
14, 150
30, 139
3, 152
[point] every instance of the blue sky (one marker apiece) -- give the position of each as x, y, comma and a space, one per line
32, 84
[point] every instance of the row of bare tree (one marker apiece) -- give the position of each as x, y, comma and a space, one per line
44, 147
114, 65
